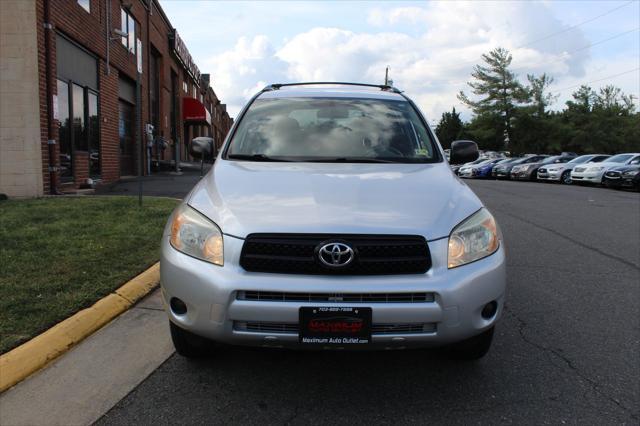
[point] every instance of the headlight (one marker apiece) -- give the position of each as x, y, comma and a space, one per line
474, 238
530, 166
195, 235
595, 169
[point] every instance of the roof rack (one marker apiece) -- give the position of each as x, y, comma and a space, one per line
384, 87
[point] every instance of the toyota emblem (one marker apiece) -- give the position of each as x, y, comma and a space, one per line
335, 254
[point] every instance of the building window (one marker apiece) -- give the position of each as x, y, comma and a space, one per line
126, 120
86, 5
64, 131
79, 126
185, 86
195, 92
93, 134
128, 26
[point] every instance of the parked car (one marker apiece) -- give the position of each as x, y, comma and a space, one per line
623, 177
594, 173
504, 170
562, 172
457, 167
529, 171
499, 166
302, 222
524, 169
480, 170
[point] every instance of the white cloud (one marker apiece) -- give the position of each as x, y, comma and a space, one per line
431, 63
381, 17
239, 73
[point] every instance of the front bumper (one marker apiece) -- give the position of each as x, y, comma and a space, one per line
520, 175
216, 311
500, 174
590, 177
549, 175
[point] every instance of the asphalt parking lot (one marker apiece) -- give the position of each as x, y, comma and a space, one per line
566, 351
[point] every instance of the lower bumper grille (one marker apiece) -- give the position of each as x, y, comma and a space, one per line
271, 296
376, 329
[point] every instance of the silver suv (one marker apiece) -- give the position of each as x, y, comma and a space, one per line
331, 220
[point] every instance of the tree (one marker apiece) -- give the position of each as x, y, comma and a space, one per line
499, 94
539, 97
602, 122
449, 128
532, 127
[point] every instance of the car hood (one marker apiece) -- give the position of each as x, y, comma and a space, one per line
604, 164
250, 197
626, 168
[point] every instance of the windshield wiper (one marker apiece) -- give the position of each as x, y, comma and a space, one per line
255, 157
348, 160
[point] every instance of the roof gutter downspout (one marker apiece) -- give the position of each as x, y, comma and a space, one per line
51, 142
108, 35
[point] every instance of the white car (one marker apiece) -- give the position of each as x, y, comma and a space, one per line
562, 172
331, 220
594, 172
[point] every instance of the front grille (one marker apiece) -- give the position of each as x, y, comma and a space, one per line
272, 296
297, 254
376, 329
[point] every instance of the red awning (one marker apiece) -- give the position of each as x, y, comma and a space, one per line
194, 112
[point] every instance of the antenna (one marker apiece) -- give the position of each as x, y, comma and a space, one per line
386, 76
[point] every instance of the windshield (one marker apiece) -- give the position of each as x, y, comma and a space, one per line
555, 159
620, 158
581, 159
332, 129
478, 161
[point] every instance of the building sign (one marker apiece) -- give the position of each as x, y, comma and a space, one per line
183, 55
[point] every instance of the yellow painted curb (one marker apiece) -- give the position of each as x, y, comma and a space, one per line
26, 359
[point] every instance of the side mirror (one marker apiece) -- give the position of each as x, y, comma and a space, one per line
202, 147
463, 152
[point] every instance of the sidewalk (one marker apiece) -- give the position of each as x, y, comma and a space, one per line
86, 382
162, 184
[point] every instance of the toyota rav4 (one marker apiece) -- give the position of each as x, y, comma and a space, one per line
332, 220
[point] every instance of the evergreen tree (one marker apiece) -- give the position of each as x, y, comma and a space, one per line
449, 128
499, 94
540, 98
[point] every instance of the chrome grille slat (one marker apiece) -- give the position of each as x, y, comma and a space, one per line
271, 296
292, 328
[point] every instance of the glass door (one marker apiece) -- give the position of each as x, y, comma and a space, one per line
93, 130
65, 153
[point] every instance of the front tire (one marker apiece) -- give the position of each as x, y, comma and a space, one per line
471, 349
188, 344
565, 179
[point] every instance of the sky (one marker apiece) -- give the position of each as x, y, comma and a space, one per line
430, 47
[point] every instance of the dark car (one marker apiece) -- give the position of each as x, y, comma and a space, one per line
623, 177
504, 162
529, 171
503, 171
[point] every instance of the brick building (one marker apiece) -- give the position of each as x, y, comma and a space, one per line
73, 71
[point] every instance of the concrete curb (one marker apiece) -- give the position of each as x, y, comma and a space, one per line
26, 359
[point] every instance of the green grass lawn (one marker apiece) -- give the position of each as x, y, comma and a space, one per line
60, 255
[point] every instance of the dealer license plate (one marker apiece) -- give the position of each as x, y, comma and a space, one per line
335, 326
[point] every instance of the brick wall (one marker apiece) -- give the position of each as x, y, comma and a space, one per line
88, 31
